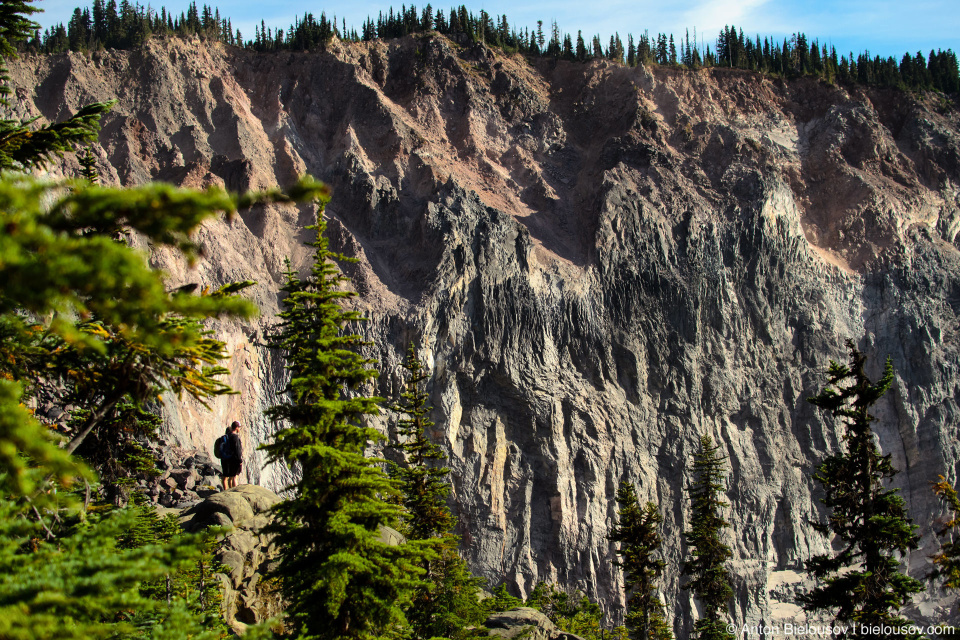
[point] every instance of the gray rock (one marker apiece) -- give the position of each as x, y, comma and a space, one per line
525, 623
206, 490
250, 583
52, 412
185, 478
230, 503
259, 498
240, 541
255, 559
256, 523
235, 562
642, 258
391, 536
215, 519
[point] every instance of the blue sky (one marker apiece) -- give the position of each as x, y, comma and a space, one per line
883, 27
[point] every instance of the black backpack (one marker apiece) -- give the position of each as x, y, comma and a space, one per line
221, 448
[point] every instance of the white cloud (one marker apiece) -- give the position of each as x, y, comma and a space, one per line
712, 16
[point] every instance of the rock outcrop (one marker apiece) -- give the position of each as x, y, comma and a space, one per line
245, 551
524, 623
599, 264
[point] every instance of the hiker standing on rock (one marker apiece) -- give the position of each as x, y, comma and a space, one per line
231, 456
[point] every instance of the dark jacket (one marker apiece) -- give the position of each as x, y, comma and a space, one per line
234, 448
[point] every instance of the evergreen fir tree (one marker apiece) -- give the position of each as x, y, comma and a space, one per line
947, 561
581, 51
446, 604
115, 451
129, 337
423, 482
340, 578
56, 269
20, 146
572, 612
501, 600
81, 584
862, 583
88, 167
69, 290
193, 583
709, 578
639, 537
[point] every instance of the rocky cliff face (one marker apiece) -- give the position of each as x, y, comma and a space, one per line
599, 263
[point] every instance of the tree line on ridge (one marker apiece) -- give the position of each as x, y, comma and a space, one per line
85, 319
128, 25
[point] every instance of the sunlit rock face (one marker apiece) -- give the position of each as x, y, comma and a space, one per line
599, 265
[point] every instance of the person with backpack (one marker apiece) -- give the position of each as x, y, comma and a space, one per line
230, 452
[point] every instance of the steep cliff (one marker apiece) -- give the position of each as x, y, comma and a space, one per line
600, 263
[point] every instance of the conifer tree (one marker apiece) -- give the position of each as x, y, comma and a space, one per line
193, 583
423, 483
581, 50
23, 147
947, 561
88, 167
72, 582
71, 291
80, 584
572, 612
340, 578
709, 578
116, 338
446, 604
639, 537
72, 294
862, 583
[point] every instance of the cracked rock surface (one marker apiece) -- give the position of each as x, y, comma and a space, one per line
600, 264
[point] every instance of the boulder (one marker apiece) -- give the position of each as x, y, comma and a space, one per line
230, 503
240, 541
257, 523
259, 499
525, 623
244, 551
186, 478
212, 479
234, 561
206, 490
188, 501
391, 536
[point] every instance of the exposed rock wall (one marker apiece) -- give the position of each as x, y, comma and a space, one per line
599, 263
